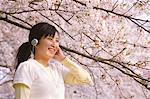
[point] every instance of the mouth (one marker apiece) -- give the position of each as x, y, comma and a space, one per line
51, 49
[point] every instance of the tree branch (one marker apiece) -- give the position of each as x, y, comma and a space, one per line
14, 23
118, 14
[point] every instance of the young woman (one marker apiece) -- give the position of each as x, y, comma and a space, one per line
42, 68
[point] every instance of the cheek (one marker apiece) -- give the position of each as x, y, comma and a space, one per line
43, 47
46, 44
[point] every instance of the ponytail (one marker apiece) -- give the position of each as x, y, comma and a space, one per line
24, 53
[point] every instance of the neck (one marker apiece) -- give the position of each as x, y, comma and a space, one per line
41, 60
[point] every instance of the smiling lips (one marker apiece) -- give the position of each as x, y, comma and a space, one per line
51, 49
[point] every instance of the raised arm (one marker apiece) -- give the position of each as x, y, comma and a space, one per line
76, 74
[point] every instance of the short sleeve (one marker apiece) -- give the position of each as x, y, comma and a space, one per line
24, 74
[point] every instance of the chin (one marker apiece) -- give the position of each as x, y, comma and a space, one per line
51, 56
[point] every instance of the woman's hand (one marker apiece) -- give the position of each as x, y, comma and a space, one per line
59, 56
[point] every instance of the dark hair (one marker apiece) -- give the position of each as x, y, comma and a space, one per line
38, 31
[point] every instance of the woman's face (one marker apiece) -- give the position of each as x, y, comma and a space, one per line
47, 47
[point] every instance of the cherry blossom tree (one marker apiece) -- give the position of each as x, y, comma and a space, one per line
110, 38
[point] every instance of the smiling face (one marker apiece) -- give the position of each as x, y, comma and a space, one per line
47, 47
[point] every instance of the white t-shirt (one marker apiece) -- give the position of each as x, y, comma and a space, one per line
45, 83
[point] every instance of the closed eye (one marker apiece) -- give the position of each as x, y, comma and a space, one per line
57, 40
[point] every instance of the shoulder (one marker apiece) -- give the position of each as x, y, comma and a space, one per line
25, 73
29, 61
26, 69
27, 65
